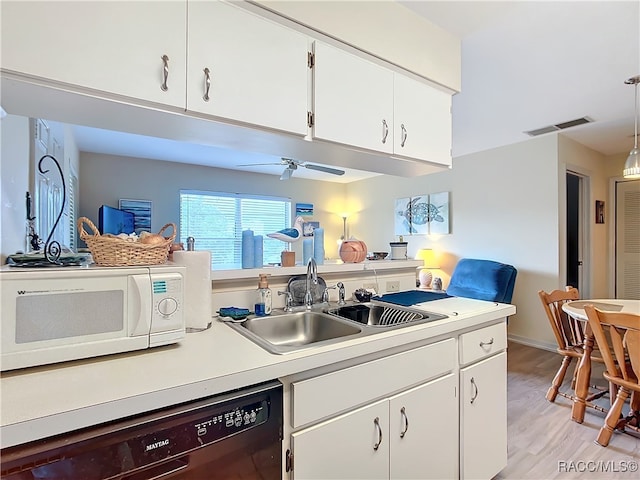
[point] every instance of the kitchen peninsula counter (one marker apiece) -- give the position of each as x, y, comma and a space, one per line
43, 401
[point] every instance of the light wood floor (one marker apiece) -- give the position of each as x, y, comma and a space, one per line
543, 441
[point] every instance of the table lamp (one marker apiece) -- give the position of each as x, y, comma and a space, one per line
427, 256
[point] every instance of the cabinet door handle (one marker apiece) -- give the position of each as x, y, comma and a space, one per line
404, 135
403, 415
475, 390
490, 342
385, 131
376, 422
207, 84
165, 73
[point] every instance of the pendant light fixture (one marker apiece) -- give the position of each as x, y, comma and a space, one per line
632, 165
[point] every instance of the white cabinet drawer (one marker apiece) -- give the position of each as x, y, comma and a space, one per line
482, 343
335, 392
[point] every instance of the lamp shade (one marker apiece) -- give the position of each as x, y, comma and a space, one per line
632, 165
428, 258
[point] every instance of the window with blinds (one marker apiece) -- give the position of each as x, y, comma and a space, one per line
216, 221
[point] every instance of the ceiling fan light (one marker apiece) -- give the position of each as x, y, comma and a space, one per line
632, 165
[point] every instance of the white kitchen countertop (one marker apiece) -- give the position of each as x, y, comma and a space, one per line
329, 266
43, 401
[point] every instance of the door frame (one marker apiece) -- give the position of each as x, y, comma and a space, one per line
584, 227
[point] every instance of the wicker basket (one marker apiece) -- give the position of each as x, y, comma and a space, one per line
111, 251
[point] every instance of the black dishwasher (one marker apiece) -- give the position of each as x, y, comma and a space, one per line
233, 435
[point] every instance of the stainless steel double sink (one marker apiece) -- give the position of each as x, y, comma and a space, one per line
290, 332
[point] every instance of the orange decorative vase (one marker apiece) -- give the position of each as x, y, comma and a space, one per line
353, 251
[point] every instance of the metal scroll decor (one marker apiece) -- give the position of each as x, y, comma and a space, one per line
52, 248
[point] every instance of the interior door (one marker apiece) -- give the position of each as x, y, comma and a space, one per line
575, 236
628, 239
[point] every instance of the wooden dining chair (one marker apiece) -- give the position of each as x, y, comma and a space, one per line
569, 333
617, 335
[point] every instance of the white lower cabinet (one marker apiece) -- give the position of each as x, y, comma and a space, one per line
428, 417
437, 411
483, 418
410, 435
343, 447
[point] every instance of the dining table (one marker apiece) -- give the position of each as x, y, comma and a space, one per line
575, 309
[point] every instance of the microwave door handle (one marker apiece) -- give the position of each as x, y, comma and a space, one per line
140, 305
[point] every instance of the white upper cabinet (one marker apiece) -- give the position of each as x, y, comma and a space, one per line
362, 104
353, 100
422, 121
135, 49
246, 68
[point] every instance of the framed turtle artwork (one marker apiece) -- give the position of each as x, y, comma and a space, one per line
402, 216
422, 214
438, 213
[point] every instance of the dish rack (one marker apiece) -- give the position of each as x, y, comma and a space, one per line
111, 251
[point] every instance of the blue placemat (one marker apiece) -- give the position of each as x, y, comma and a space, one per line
411, 297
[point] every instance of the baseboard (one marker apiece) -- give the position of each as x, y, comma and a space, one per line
532, 343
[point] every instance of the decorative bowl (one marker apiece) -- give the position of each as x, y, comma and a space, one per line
378, 255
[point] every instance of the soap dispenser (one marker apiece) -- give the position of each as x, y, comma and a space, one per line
263, 300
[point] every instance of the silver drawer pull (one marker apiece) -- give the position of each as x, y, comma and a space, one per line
405, 419
490, 342
165, 73
376, 422
207, 84
475, 390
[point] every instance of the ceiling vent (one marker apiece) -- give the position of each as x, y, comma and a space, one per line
559, 126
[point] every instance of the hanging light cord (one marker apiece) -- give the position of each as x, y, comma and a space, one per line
635, 141
634, 81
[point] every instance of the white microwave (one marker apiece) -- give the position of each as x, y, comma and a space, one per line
56, 314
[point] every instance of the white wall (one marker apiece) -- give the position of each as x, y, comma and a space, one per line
577, 158
504, 207
14, 173
104, 179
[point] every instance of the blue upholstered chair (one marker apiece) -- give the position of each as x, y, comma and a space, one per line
483, 280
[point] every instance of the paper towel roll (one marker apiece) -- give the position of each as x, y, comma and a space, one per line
318, 245
247, 249
197, 288
258, 254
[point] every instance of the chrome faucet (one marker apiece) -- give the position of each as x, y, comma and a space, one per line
288, 301
341, 294
312, 277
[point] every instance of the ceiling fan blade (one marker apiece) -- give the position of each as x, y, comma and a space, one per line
286, 175
256, 164
320, 168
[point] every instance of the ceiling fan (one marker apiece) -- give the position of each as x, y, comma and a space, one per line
292, 165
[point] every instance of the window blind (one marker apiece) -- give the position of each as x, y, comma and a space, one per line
216, 220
